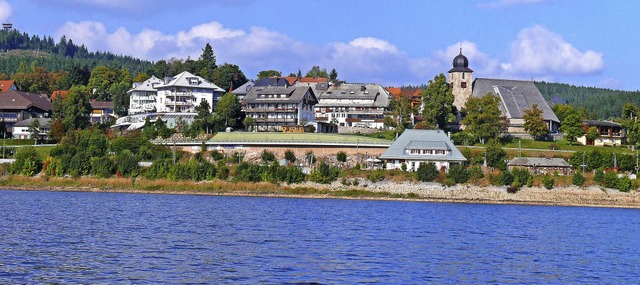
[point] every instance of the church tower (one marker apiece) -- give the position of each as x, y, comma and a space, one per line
460, 78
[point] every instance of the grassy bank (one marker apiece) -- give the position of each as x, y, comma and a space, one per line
184, 187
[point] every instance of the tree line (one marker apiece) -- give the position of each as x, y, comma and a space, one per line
602, 103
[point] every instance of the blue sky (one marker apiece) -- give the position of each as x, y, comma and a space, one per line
591, 43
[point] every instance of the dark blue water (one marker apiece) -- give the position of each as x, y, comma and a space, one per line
99, 238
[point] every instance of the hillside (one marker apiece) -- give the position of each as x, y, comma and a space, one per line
606, 103
19, 51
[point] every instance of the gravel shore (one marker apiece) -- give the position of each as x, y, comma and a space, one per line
592, 196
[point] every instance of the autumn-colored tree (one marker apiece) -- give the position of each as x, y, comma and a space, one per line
534, 123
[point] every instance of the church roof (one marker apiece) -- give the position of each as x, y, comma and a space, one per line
460, 64
516, 96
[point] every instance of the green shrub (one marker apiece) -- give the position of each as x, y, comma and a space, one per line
341, 156
624, 184
216, 155
476, 173
547, 181
126, 163
289, 156
324, 173
27, 163
267, 156
427, 172
101, 167
458, 174
506, 178
520, 177
578, 179
530, 181
375, 175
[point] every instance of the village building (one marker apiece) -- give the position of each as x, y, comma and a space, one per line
6, 85
101, 111
22, 129
541, 165
276, 107
609, 133
16, 106
242, 90
351, 105
516, 96
142, 97
184, 92
415, 147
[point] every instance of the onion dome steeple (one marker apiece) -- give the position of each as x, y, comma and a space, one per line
460, 63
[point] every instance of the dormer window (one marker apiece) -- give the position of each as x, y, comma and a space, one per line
193, 81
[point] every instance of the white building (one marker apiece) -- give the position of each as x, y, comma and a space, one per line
21, 129
352, 104
275, 107
415, 147
184, 92
142, 97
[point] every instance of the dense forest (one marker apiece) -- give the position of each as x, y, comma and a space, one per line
606, 103
20, 51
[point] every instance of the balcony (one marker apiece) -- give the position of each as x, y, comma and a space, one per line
272, 110
276, 120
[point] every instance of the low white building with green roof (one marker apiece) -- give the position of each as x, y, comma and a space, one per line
415, 147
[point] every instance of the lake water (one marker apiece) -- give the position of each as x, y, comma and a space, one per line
100, 238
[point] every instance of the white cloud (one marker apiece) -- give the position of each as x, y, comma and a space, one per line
538, 51
479, 62
373, 43
208, 31
5, 11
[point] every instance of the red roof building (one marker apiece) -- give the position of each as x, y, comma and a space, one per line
6, 85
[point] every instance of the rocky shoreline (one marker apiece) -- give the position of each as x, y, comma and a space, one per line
591, 196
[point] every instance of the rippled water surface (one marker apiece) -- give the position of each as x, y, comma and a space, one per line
60, 237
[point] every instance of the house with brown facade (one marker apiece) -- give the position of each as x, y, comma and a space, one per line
609, 133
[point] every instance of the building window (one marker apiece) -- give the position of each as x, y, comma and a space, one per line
463, 84
463, 76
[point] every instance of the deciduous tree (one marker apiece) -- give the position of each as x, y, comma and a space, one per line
572, 128
534, 123
268, 73
483, 119
438, 102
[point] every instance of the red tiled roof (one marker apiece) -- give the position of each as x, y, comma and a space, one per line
313, 79
394, 91
5, 85
291, 79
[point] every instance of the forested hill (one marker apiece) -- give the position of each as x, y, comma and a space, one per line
607, 103
25, 51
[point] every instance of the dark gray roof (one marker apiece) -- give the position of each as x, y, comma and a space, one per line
516, 96
296, 94
43, 122
354, 92
601, 123
244, 88
428, 145
272, 81
538, 161
460, 63
426, 139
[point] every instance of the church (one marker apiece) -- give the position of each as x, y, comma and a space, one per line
516, 96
